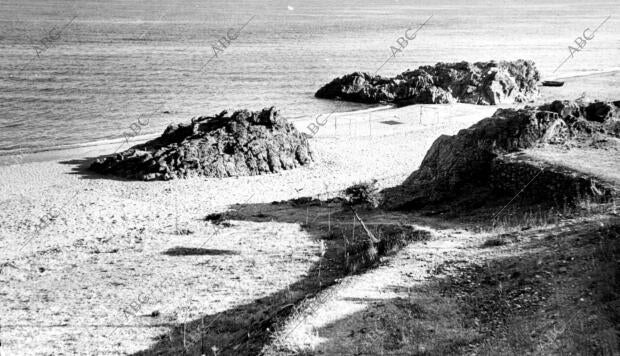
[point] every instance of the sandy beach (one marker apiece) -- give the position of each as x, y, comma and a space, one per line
106, 244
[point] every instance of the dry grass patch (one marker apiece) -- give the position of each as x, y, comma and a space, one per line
361, 252
558, 294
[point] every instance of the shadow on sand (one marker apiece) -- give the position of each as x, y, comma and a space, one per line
246, 329
81, 168
191, 251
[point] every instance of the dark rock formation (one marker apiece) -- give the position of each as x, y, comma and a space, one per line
587, 118
599, 112
484, 83
244, 143
461, 163
472, 160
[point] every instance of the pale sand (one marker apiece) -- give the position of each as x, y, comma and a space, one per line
105, 247
64, 287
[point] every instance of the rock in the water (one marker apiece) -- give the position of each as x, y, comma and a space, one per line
484, 83
244, 143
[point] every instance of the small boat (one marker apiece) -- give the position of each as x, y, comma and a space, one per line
552, 83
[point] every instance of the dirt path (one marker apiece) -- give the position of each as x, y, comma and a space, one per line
342, 319
462, 293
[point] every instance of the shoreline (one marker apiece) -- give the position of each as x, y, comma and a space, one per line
100, 147
574, 75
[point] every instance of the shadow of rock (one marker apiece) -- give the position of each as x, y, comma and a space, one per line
485, 306
190, 251
80, 167
246, 329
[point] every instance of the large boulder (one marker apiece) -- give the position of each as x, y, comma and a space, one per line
484, 83
462, 163
244, 143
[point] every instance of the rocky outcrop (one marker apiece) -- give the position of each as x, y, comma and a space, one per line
244, 143
484, 83
462, 163
472, 160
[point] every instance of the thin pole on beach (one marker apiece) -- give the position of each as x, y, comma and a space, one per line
369, 125
202, 337
353, 232
329, 219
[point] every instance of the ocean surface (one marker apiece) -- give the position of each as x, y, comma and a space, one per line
82, 72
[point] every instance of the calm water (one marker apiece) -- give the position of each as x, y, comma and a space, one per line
119, 59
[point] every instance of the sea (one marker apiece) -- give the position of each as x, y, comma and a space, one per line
87, 72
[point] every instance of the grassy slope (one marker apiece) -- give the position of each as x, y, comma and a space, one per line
551, 289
